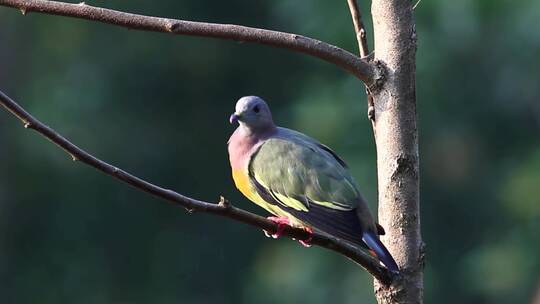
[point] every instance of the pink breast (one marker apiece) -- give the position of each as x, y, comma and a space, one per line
240, 148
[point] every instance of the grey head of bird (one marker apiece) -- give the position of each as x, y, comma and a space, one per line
252, 113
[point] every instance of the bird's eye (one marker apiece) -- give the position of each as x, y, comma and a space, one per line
256, 109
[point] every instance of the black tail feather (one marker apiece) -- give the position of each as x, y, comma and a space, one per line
382, 253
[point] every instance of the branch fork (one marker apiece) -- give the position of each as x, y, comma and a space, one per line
223, 208
391, 16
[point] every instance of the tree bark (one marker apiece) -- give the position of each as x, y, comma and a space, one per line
396, 138
391, 84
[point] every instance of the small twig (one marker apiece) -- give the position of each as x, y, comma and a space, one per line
223, 208
224, 202
361, 37
313, 47
359, 28
414, 6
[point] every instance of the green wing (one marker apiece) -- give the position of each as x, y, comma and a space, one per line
296, 171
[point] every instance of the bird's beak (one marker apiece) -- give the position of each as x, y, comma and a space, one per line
234, 118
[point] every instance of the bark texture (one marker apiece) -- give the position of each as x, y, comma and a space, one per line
392, 110
397, 148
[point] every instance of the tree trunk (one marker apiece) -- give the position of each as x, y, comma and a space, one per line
396, 138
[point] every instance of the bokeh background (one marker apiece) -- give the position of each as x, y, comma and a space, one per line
157, 105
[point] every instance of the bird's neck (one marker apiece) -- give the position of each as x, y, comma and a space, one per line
263, 131
245, 141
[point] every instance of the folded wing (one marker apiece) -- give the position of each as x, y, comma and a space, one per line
309, 181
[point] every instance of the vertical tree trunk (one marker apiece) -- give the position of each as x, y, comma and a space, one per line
396, 138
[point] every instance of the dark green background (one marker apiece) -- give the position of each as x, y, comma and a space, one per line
157, 105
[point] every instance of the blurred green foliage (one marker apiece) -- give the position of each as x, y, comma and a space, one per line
157, 106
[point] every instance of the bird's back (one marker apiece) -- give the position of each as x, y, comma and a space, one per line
308, 180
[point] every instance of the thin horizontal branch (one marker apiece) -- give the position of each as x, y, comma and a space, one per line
333, 54
223, 208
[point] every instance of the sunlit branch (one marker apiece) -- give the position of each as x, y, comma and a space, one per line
222, 208
298, 43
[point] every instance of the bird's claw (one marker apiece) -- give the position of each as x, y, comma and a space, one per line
282, 222
307, 242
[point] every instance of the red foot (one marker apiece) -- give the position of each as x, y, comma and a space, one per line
281, 222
